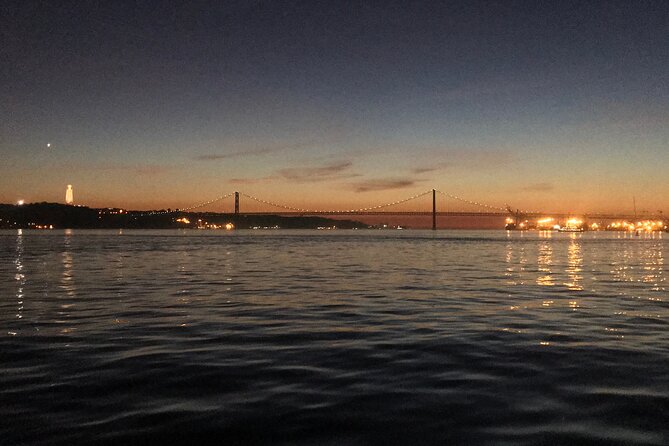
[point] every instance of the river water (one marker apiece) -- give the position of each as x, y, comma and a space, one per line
333, 337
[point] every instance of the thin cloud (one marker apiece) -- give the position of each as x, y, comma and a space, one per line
421, 170
382, 184
465, 159
253, 150
322, 173
539, 187
237, 154
243, 181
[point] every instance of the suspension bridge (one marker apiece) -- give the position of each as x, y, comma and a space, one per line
443, 208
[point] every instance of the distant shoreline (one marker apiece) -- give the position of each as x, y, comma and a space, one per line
60, 216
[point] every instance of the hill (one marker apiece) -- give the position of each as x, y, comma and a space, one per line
60, 216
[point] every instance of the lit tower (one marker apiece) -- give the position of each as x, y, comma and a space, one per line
69, 199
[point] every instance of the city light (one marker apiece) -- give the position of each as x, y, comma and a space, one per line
579, 224
645, 225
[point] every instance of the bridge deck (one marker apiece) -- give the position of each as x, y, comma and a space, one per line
453, 214
330, 213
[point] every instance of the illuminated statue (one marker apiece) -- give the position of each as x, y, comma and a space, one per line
69, 199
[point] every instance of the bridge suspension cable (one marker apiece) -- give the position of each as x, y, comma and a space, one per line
473, 203
365, 209
297, 209
190, 208
222, 197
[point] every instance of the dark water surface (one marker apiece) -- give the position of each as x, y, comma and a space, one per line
337, 337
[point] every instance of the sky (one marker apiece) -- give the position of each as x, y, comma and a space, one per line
555, 106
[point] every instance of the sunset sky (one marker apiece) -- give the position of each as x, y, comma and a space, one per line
559, 106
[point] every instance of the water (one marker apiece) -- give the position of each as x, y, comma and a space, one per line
333, 337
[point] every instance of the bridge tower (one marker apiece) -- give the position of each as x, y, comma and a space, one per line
434, 210
236, 203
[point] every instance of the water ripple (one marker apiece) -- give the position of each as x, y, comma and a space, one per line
349, 337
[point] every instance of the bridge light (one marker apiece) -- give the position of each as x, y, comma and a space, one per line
229, 226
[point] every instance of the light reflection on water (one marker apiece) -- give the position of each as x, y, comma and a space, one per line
574, 263
347, 337
545, 262
20, 277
